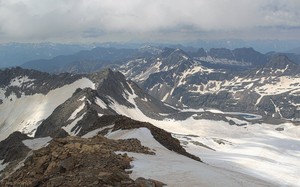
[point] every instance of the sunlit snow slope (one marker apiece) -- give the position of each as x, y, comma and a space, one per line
259, 150
177, 170
27, 112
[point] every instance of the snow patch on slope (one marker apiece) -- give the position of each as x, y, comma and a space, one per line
69, 127
96, 131
26, 113
2, 166
279, 85
18, 81
37, 143
74, 114
101, 103
214, 60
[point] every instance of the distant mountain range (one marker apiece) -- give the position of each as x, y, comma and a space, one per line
15, 54
99, 58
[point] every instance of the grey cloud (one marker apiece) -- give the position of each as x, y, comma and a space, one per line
67, 20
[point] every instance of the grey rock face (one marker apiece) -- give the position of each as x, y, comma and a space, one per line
12, 147
20, 81
82, 110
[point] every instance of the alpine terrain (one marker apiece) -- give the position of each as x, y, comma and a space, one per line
156, 117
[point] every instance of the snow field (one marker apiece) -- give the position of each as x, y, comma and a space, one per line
26, 113
177, 170
256, 150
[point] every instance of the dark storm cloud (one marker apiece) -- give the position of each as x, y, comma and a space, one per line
79, 20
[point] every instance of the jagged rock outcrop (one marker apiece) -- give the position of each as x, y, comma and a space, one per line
163, 137
119, 122
20, 81
74, 161
12, 147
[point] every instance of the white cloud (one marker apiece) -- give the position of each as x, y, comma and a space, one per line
69, 20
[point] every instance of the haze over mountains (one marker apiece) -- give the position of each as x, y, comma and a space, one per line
101, 57
15, 54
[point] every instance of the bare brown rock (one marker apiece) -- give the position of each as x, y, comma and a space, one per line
74, 161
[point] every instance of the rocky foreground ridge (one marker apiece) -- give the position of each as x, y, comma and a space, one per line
77, 161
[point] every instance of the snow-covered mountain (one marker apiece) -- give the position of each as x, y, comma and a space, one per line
88, 61
179, 80
139, 69
238, 149
28, 97
238, 57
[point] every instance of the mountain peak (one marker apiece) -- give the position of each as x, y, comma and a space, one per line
280, 62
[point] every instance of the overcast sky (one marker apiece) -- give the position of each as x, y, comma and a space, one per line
147, 20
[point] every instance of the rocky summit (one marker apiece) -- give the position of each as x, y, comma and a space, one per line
74, 161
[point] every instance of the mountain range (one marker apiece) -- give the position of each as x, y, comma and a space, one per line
158, 116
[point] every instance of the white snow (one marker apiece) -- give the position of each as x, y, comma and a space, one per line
2, 166
177, 170
123, 110
249, 85
101, 103
237, 121
95, 132
69, 127
257, 150
166, 97
74, 114
279, 85
193, 110
37, 143
277, 109
185, 57
152, 69
214, 111
223, 61
26, 113
258, 100
145, 99
18, 81
82, 99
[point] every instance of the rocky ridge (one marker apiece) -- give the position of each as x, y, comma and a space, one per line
18, 81
74, 161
